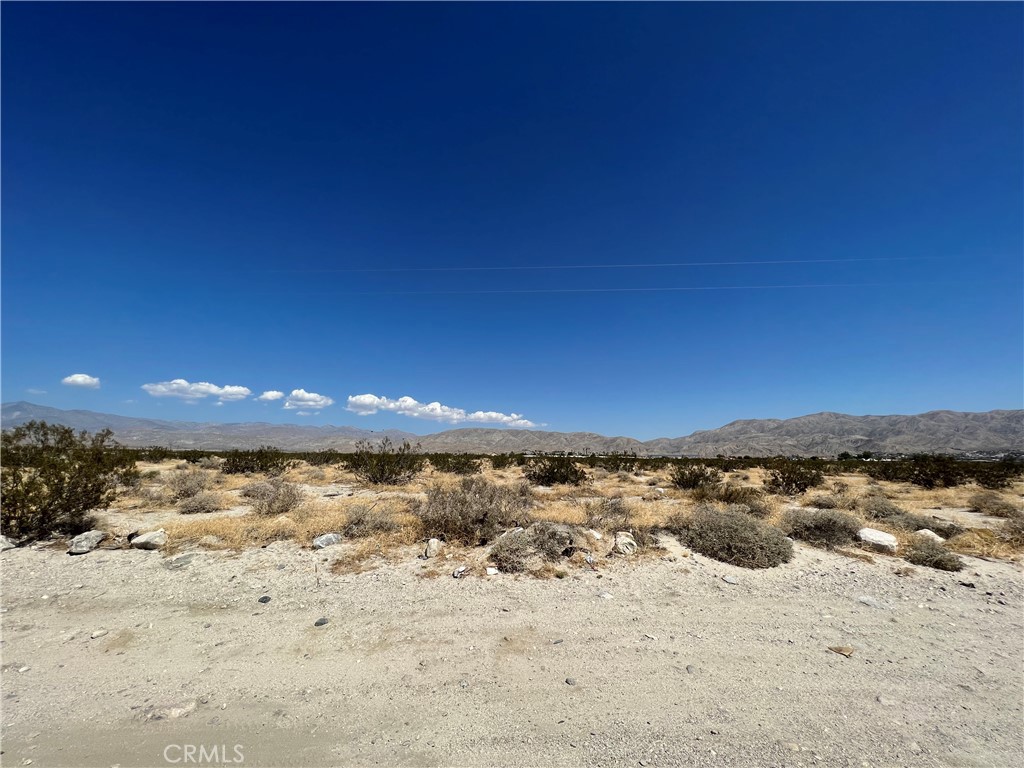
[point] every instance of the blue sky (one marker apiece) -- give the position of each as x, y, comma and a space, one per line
204, 203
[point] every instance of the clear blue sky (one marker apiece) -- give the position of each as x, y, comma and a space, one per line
190, 191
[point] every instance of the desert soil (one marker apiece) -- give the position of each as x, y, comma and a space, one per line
676, 667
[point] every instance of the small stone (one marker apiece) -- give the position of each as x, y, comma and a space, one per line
792, 746
463, 684
871, 602
730, 580
433, 548
915, 748
492, 571
570, 681
179, 562
926, 533
458, 572
98, 633
326, 540
624, 544
842, 650
885, 701
24, 669
86, 542
6, 544
320, 622
265, 599
151, 540
690, 669
557, 642
605, 595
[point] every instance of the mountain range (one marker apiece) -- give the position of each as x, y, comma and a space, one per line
819, 434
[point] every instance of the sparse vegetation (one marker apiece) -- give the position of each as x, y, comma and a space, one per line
385, 463
931, 554
735, 494
791, 478
993, 504
186, 483
474, 511
822, 527
278, 498
363, 521
734, 537
511, 552
555, 470
455, 463
52, 478
266, 460
691, 477
612, 514
200, 503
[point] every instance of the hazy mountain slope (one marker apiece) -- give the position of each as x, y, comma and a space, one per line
822, 434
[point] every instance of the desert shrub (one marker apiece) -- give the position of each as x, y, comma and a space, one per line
824, 527
282, 498
991, 503
51, 478
690, 477
824, 501
608, 514
555, 470
258, 490
998, 474
265, 459
790, 479
908, 521
615, 462
876, 507
475, 511
325, 458
210, 462
199, 503
505, 460
363, 521
732, 493
511, 552
385, 463
734, 537
931, 554
455, 463
186, 483
1012, 530
550, 540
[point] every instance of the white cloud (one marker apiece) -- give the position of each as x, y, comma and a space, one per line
365, 405
305, 401
192, 392
83, 380
270, 394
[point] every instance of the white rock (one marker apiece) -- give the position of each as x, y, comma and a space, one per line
6, 544
926, 533
327, 540
625, 544
458, 572
98, 633
492, 571
151, 540
880, 540
86, 542
433, 548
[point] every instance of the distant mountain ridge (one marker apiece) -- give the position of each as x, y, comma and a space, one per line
819, 434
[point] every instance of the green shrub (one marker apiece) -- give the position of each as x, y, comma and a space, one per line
991, 503
555, 470
790, 479
823, 527
734, 537
475, 511
199, 503
691, 477
455, 463
385, 464
931, 554
265, 459
281, 497
51, 478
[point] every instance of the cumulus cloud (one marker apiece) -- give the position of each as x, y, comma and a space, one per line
191, 392
305, 402
83, 380
365, 405
270, 394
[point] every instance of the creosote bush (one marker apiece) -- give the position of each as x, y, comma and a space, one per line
789, 479
991, 503
265, 459
823, 527
51, 478
455, 463
384, 463
281, 498
474, 511
931, 554
186, 483
555, 470
693, 476
733, 537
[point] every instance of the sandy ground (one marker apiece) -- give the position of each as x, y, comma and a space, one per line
676, 667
